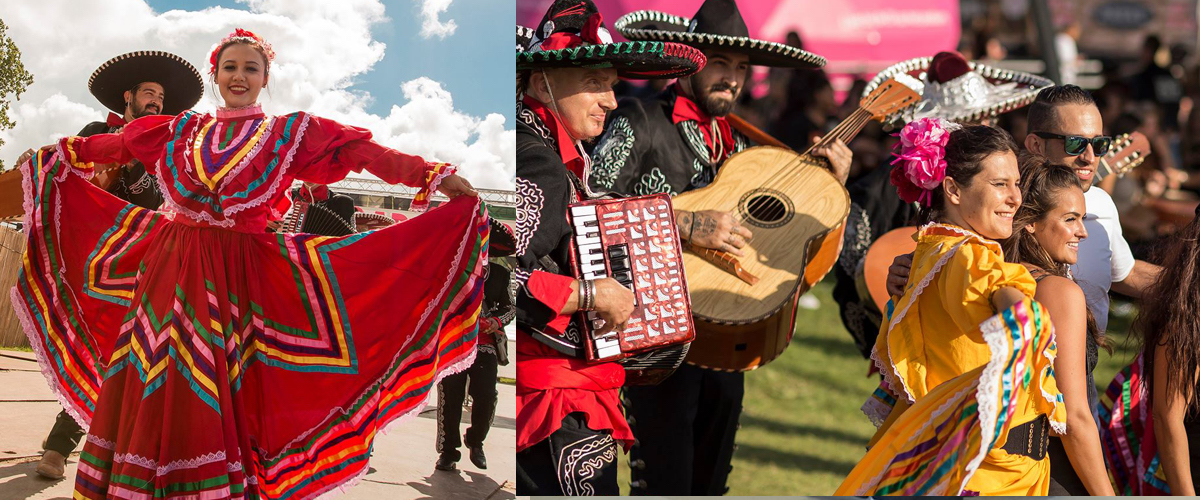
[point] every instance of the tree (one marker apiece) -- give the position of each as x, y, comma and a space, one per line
14, 79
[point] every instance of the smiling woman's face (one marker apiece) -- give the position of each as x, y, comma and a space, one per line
988, 204
241, 75
1061, 230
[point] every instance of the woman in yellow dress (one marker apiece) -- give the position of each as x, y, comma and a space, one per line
968, 395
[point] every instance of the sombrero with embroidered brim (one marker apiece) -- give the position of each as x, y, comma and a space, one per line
182, 85
502, 241
572, 35
524, 37
958, 90
717, 25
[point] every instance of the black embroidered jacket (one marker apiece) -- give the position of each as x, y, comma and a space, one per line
643, 152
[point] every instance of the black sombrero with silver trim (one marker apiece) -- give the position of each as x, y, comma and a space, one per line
524, 37
717, 25
954, 89
572, 35
502, 242
180, 81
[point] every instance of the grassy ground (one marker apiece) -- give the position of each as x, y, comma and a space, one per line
802, 430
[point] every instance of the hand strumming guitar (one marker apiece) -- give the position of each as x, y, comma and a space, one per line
713, 229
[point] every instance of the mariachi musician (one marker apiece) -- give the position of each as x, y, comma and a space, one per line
133, 85
952, 89
568, 411
673, 143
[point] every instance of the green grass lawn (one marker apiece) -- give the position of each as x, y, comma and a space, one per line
802, 430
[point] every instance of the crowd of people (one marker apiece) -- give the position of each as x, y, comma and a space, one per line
994, 323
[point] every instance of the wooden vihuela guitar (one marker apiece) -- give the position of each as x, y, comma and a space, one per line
795, 207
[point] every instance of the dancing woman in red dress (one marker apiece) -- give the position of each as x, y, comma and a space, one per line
237, 363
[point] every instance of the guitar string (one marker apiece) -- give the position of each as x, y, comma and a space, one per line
836, 132
849, 127
844, 130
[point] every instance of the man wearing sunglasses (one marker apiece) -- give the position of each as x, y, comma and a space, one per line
1066, 128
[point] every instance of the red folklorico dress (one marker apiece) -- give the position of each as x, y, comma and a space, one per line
238, 363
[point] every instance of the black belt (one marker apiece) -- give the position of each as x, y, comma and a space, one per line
1030, 438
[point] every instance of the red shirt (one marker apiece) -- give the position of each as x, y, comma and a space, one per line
687, 109
551, 385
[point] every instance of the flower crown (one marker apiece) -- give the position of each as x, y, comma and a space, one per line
240, 36
922, 159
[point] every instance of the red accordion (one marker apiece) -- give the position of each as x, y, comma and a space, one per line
635, 242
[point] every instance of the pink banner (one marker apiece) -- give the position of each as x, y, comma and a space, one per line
856, 36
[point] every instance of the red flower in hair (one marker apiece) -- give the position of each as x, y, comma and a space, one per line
240, 35
922, 159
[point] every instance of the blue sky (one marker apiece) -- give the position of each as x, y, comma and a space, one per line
481, 48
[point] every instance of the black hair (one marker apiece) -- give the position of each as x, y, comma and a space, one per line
1041, 112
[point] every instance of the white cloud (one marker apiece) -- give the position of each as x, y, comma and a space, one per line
320, 48
431, 26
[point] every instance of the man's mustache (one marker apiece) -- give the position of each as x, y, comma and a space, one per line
723, 86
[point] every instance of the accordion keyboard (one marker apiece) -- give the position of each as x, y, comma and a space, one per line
634, 242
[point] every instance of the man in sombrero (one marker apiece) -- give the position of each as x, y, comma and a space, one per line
569, 416
674, 143
132, 85
952, 89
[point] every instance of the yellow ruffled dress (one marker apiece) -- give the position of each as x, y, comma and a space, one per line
957, 376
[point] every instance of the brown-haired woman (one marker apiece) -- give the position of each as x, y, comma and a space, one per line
1169, 325
968, 396
1046, 234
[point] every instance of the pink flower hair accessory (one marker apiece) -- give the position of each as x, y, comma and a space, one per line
240, 36
922, 159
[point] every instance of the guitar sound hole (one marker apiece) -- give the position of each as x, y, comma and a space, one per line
765, 208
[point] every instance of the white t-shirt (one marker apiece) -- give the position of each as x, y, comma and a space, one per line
1104, 257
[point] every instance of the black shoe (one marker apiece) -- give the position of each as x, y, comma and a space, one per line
477, 456
445, 463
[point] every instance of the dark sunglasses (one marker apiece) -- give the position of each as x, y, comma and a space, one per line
1075, 145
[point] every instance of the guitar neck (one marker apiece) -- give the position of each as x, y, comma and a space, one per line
846, 130
1105, 170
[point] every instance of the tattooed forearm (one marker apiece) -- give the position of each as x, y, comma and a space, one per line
683, 219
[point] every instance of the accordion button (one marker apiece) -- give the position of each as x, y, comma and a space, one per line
639, 484
638, 464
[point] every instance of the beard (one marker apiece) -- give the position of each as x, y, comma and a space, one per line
150, 109
716, 105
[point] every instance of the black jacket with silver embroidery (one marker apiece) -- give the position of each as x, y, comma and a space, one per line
643, 152
875, 209
544, 191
